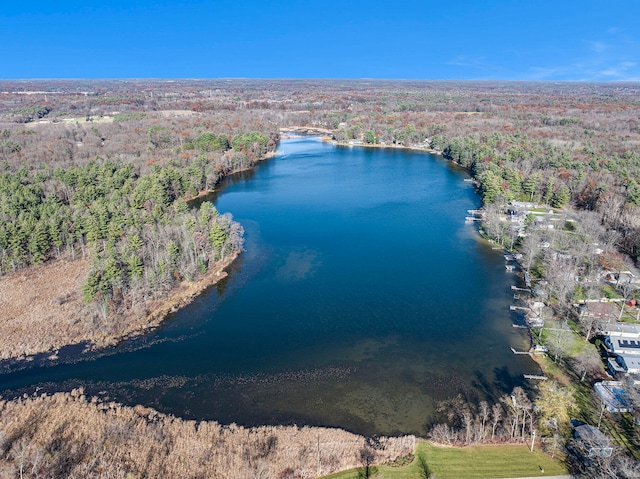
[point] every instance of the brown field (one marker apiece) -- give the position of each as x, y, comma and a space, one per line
67, 435
41, 309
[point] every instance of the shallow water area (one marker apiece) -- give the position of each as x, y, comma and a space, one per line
362, 300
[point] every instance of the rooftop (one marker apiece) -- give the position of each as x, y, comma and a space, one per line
619, 329
613, 396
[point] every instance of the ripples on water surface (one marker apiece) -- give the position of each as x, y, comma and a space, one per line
362, 299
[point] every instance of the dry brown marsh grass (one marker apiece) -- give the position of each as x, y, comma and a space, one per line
67, 435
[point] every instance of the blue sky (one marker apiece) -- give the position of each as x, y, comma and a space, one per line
509, 40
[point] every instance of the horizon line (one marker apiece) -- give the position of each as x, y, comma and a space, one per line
372, 79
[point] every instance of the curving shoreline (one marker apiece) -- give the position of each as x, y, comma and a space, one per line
185, 293
49, 315
103, 439
41, 310
384, 145
326, 134
79, 410
57, 318
181, 296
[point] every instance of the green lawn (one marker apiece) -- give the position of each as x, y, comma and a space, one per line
470, 462
610, 292
542, 209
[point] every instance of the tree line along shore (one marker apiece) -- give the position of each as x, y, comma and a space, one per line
146, 250
94, 188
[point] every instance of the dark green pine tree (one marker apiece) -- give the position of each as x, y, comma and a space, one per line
217, 237
38, 244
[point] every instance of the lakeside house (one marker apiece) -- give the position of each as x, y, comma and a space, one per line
606, 311
614, 369
534, 315
621, 341
619, 330
516, 216
595, 442
621, 345
623, 364
613, 396
525, 205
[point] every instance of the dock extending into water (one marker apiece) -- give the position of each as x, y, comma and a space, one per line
474, 215
535, 376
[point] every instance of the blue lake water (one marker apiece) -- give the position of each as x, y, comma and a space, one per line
362, 300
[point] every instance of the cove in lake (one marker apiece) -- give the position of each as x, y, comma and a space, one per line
361, 301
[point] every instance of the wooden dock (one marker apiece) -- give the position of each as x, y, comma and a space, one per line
515, 288
519, 308
520, 352
535, 376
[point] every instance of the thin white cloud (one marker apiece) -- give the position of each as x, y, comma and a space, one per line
599, 47
546, 73
611, 59
470, 62
619, 70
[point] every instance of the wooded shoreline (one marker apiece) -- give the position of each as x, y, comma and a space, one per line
21, 341
561, 144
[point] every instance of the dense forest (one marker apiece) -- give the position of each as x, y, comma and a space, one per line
118, 193
559, 144
138, 229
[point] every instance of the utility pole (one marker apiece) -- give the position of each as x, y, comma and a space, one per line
601, 413
533, 438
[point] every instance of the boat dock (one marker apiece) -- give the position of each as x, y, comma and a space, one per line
474, 215
535, 376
